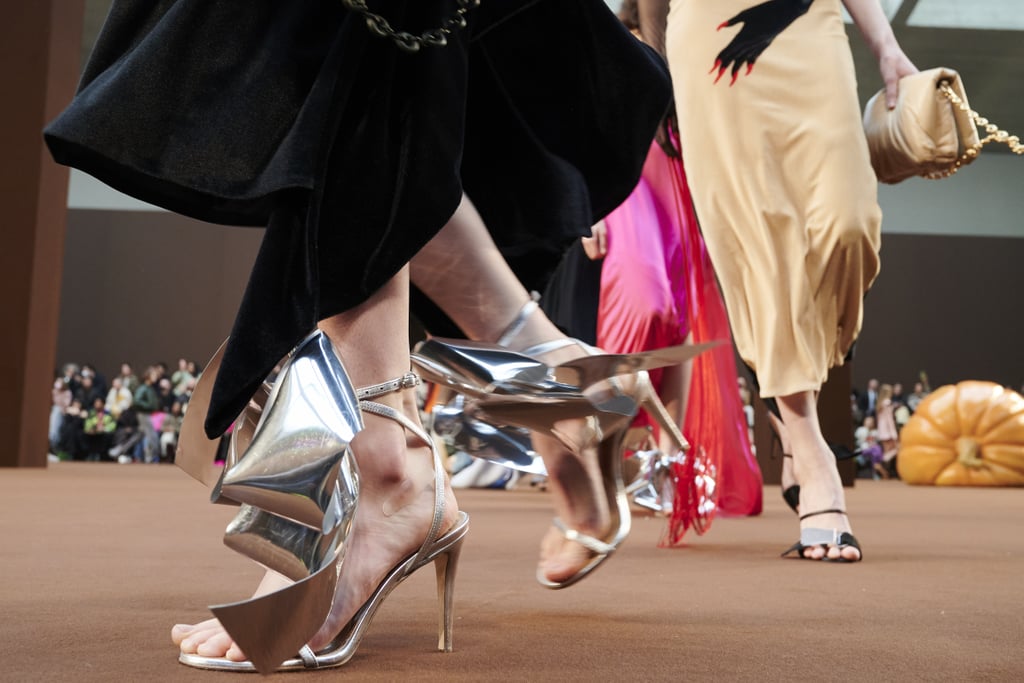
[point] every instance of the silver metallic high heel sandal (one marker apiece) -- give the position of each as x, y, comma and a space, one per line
506, 388
290, 458
510, 446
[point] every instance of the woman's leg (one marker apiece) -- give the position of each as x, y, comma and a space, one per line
814, 467
463, 252
396, 496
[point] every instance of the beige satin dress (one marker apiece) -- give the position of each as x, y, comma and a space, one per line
782, 184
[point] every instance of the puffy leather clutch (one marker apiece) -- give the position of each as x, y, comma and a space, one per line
932, 132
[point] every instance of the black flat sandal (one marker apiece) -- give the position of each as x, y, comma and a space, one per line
815, 537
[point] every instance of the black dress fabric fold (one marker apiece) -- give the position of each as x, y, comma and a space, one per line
352, 153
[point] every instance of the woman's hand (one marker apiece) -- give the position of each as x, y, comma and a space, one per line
596, 246
893, 64
877, 32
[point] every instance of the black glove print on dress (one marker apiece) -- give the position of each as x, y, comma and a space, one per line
761, 24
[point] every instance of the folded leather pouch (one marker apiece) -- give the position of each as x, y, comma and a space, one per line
932, 132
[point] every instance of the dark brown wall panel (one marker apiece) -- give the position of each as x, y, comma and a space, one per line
143, 286
38, 72
950, 305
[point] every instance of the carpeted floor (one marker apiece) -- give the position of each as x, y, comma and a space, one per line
97, 561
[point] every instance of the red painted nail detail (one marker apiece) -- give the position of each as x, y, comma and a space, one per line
722, 25
735, 75
750, 67
721, 72
718, 63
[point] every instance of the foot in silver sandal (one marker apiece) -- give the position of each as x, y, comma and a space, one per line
301, 419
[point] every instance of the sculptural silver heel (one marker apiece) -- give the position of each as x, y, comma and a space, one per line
505, 388
297, 484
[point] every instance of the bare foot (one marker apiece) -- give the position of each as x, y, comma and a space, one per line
393, 516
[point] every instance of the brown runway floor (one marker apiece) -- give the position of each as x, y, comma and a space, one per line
98, 561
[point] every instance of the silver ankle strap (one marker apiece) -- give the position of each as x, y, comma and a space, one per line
406, 381
516, 326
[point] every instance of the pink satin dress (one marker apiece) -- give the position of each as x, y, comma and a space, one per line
657, 286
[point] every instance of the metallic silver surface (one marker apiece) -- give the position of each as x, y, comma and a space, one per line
298, 487
443, 552
509, 389
291, 468
504, 445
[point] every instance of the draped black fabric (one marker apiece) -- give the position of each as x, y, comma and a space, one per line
353, 153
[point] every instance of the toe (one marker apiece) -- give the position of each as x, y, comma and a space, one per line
195, 640
180, 631
849, 553
217, 645
814, 552
235, 653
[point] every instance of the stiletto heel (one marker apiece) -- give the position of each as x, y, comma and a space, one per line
444, 567
297, 484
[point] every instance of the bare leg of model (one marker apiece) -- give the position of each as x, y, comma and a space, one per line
674, 392
464, 252
814, 467
396, 499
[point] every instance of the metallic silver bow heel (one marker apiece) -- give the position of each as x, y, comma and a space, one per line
506, 388
291, 467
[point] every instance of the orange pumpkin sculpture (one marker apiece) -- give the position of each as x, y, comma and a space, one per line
970, 434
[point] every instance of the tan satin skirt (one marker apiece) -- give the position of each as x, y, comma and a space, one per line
784, 191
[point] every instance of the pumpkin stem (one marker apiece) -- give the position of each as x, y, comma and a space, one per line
968, 452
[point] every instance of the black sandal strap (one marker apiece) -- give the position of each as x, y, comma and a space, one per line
792, 496
832, 511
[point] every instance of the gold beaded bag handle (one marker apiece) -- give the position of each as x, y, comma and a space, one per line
932, 132
969, 117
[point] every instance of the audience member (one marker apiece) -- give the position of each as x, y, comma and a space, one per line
897, 394
98, 431
128, 378
182, 376
169, 431
146, 402
165, 394
61, 396
888, 434
869, 450
126, 445
869, 399
88, 392
119, 398
72, 431
918, 395
99, 382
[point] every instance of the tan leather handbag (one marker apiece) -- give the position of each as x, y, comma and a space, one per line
932, 132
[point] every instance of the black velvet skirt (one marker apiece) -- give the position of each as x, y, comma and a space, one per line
352, 153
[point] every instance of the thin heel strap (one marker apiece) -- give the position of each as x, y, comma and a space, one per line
516, 326
410, 380
835, 511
